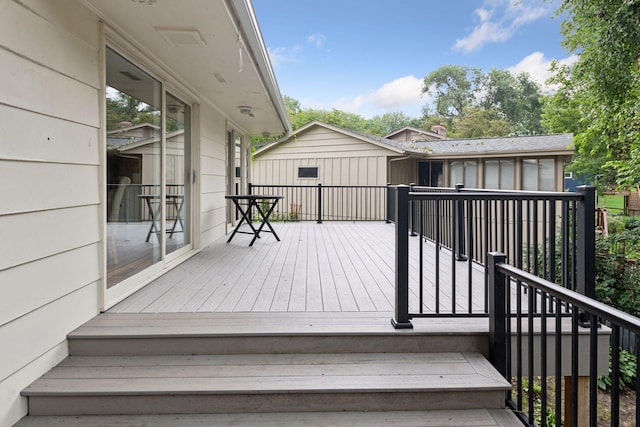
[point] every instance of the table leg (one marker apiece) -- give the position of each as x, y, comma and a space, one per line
265, 221
178, 218
244, 218
153, 213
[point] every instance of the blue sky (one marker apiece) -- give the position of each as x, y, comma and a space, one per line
370, 56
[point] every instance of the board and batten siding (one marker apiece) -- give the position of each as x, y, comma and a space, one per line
50, 215
341, 160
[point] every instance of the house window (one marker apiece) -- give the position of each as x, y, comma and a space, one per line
430, 173
499, 174
538, 175
464, 173
308, 172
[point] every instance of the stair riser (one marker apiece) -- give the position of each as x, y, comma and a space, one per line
299, 402
139, 346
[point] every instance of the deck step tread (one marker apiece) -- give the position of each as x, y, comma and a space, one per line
302, 373
109, 325
433, 418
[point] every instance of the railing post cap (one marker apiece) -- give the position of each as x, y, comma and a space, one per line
586, 187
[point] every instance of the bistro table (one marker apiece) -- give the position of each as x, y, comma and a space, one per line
244, 203
154, 212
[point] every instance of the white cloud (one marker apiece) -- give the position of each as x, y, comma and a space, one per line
401, 94
498, 21
538, 68
282, 55
317, 39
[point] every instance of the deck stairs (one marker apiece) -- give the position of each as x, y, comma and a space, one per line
279, 369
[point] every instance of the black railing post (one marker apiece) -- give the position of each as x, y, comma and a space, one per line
250, 191
459, 226
412, 213
497, 313
319, 203
390, 205
401, 319
586, 242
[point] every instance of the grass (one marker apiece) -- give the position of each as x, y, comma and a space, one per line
613, 202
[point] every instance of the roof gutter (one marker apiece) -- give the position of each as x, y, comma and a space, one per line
248, 29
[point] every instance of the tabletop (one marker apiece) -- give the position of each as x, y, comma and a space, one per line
253, 197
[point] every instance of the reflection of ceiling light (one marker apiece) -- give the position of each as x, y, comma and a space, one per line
130, 75
173, 108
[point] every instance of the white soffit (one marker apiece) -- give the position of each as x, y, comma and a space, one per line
177, 37
198, 42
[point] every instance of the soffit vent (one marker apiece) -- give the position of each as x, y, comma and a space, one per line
179, 37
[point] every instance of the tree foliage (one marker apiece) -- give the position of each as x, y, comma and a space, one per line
124, 108
510, 103
453, 88
479, 122
602, 90
378, 125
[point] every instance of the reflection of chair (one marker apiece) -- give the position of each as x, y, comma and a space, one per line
114, 213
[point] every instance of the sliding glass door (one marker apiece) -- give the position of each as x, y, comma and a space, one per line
149, 173
178, 173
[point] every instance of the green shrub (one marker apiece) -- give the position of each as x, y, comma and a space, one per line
627, 369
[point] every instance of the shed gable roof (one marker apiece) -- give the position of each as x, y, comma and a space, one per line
387, 144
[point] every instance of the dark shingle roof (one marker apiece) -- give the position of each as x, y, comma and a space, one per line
559, 142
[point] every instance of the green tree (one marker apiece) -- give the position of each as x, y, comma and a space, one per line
388, 122
516, 97
453, 88
479, 122
606, 80
568, 110
458, 90
124, 108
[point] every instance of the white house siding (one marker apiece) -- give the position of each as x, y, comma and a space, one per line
50, 217
212, 178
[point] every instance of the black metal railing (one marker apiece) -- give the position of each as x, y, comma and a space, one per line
551, 235
551, 343
327, 202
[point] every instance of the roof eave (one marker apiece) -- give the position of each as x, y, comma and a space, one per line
245, 15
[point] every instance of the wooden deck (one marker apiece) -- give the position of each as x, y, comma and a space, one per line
331, 267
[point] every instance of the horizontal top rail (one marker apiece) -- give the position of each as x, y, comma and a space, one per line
602, 310
315, 186
485, 195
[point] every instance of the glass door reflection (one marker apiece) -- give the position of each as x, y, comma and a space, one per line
178, 173
134, 168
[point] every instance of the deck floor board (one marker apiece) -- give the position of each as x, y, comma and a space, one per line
333, 267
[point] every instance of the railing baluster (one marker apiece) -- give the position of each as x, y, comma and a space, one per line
543, 357
593, 370
615, 375
558, 360
469, 233
421, 262
437, 249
